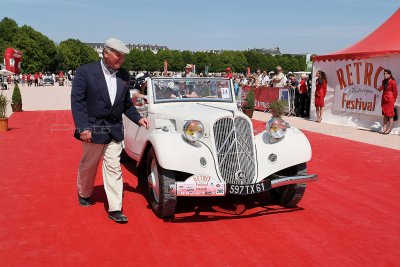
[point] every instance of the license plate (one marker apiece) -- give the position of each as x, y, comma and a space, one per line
200, 186
248, 189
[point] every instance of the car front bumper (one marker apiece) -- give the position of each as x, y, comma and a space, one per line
206, 186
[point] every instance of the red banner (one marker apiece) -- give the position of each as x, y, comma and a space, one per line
263, 96
165, 67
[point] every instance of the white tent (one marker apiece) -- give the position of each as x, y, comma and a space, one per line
6, 72
354, 76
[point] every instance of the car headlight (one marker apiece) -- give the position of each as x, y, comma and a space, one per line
276, 128
193, 130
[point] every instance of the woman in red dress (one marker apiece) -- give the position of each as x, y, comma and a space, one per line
389, 96
320, 92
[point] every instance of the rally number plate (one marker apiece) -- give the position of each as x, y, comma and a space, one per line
200, 186
248, 189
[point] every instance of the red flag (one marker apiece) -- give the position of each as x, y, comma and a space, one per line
248, 71
165, 67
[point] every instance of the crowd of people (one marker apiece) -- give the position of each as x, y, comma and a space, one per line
299, 87
39, 79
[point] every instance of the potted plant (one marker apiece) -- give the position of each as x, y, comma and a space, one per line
3, 110
248, 104
278, 108
16, 99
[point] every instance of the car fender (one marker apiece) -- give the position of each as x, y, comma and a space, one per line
293, 149
173, 152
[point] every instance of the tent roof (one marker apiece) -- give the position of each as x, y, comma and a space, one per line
6, 72
384, 40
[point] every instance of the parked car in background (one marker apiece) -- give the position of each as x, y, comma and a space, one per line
48, 81
201, 144
3, 82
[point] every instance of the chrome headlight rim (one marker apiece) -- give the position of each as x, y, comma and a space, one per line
193, 130
276, 128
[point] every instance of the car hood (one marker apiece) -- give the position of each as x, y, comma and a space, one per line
196, 111
206, 113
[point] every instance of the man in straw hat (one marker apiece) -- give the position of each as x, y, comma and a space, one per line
188, 71
99, 97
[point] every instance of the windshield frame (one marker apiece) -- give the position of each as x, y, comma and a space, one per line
154, 80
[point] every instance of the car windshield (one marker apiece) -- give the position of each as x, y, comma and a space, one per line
191, 89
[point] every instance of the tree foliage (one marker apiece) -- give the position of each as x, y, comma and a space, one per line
134, 60
72, 53
8, 30
41, 54
16, 97
38, 50
238, 61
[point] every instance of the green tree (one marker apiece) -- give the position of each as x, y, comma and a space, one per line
271, 63
38, 50
16, 97
72, 53
240, 62
283, 61
8, 31
161, 56
201, 60
187, 57
150, 61
226, 59
177, 61
134, 60
255, 60
215, 62
174, 58
236, 60
301, 63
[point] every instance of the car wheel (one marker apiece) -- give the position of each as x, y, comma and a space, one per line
161, 200
290, 195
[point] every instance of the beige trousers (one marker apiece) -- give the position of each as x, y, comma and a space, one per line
112, 175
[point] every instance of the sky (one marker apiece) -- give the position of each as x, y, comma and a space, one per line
307, 26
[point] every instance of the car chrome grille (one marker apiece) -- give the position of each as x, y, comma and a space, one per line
234, 145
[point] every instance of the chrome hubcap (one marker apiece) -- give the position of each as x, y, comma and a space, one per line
153, 181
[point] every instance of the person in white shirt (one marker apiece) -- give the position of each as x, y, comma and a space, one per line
265, 78
279, 80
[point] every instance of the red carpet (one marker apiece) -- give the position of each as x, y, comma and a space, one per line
350, 217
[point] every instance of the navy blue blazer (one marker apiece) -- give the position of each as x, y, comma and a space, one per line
91, 105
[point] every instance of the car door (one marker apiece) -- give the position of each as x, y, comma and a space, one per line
134, 134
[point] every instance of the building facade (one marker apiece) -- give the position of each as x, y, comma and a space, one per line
268, 51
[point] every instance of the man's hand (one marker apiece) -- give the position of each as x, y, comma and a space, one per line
86, 136
144, 122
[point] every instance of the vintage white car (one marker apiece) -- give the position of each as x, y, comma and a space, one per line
201, 144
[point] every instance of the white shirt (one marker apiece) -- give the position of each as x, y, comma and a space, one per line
260, 79
111, 80
281, 82
265, 80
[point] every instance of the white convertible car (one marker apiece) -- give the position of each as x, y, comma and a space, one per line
201, 144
